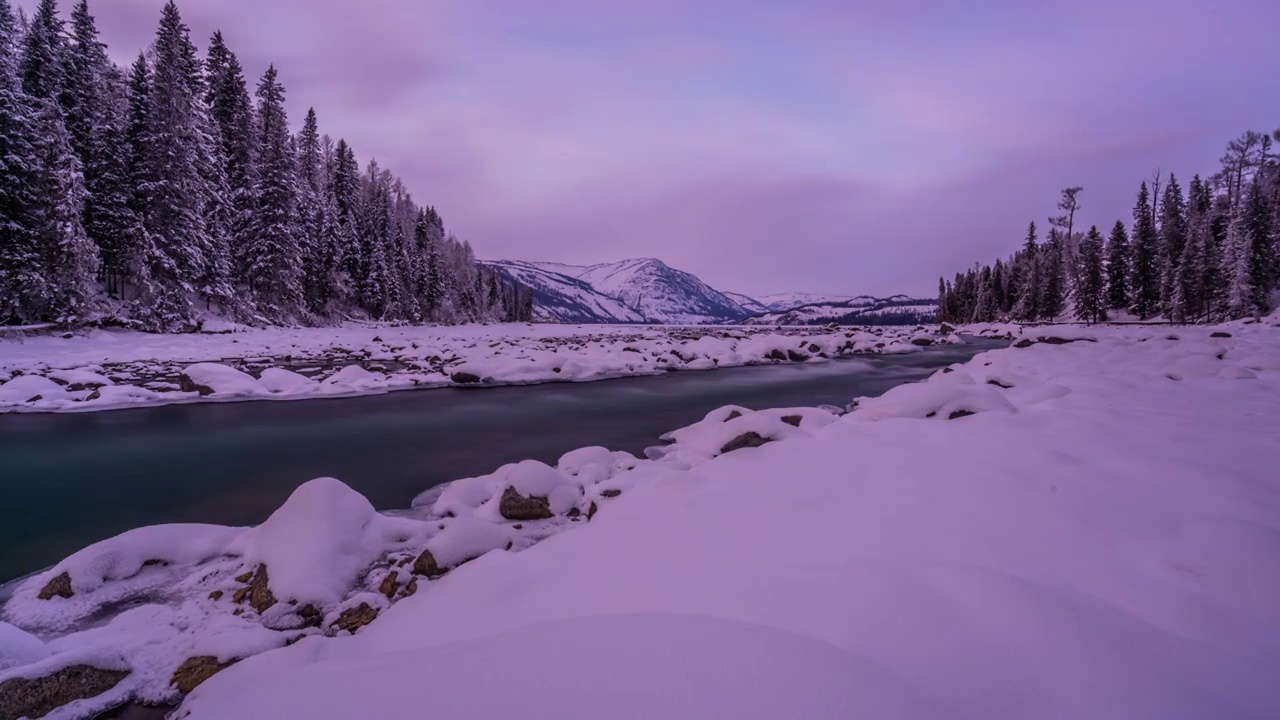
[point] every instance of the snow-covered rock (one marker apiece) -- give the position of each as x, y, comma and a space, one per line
219, 381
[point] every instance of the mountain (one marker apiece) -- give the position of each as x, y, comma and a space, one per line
638, 290
781, 302
564, 298
861, 310
749, 304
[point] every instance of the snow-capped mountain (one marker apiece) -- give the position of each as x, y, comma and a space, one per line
781, 302
564, 298
861, 310
629, 291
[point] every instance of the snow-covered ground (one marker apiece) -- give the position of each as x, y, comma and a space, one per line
101, 370
1083, 525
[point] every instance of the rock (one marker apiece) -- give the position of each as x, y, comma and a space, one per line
245, 578
186, 384
389, 585
377, 338
999, 384
946, 329
792, 420
922, 342
814, 348
196, 670
1220, 334
352, 619
610, 493
426, 565
776, 355
260, 597
573, 513
57, 587
959, 414
308, 612
240, 595
37, 697
733, 416
794, 356
215, 595
515, 506
591, 511
465, 378
745, 440
1024, 343
410, 588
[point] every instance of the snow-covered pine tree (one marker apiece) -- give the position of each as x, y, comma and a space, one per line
68, 258
1194, 269
43, 69
232, 114
87, 90
19, 257
1118, 268
1090, 290
1258, 248
1173, 240
1027, 305
1052, 277
1144, 279
275, 272
313, 243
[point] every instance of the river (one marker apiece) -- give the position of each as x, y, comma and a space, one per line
73, 479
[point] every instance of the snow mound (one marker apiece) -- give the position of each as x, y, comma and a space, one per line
26, 388
946, 400
18, 647
354, 378
279, 380
221, 381
465, 538
318, 543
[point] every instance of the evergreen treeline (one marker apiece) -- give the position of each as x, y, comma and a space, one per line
1208, 255
155, 194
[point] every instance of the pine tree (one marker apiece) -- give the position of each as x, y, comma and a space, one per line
109, 217
43, 54
1195, 270
68, 258
1144, 280
19, 255
1050, 271
87, 92
1258, 248
232, 114
1090, 291
1118, 268
1173, 240
275, 265
1027, 305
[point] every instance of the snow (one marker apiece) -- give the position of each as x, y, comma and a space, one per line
317, 543
269, 364
1096, 540
19, 647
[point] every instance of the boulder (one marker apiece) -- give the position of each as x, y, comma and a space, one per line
186, 384
465, 378
426, 565
1024, 343
389, 585
922, 341
792, 420
733, 416
794, 356
37, 697
60, 586
515, 506
196, 670
1220, 334
946, 329
610, 493
354, 618
260, 597
745, 440
776, 355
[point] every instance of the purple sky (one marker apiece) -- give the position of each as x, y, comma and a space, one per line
768, 146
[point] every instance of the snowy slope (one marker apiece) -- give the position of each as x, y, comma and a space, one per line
661, 293
561, 297
750, 304
894, 310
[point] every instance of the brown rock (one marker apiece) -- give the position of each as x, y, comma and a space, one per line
515, 506
745, 440
37, 697
426, 565
188, 385
610, 493
465, 378
60, 586
260, 597
245, 578
308, 612
194, 671
733, 416
215, 595
792, 420
390, 584
410, 588
352, 619
240, 595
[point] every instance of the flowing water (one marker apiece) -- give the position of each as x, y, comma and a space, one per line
70, 480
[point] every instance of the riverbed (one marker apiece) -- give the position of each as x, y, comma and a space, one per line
71, 480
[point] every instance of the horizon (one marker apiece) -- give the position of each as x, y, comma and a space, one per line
808, 139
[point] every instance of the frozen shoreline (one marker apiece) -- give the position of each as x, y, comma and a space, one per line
113, 370
1091, 497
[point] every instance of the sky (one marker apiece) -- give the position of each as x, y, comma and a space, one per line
766, 146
